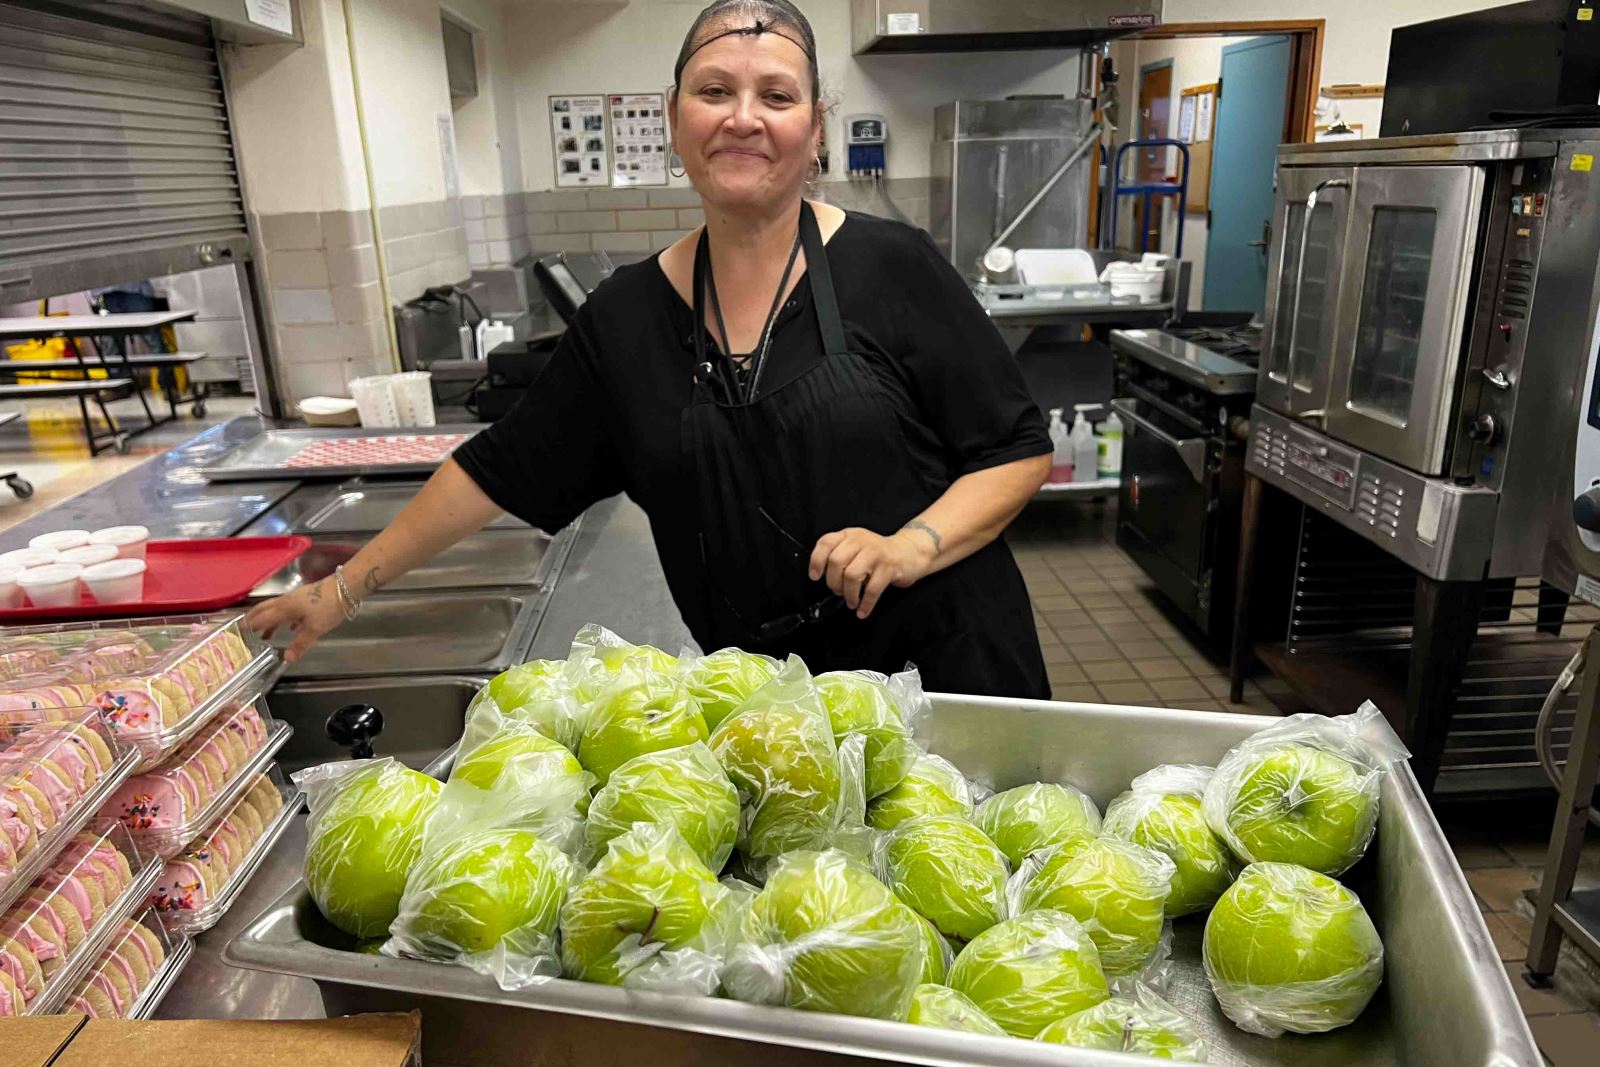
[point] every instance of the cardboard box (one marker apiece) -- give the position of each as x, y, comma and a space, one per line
389, 1040
35, 1041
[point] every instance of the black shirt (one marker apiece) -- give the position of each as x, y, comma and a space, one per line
604, 417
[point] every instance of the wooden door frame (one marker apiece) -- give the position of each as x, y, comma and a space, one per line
1139, 222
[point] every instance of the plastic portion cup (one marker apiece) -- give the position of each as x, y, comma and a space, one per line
55, 585
10, 591
60, 540
130, 541
88, 555
29, 557
116, 581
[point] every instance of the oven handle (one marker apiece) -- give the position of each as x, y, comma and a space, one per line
1299, 278
1192, 450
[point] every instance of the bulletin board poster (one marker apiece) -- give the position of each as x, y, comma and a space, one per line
639, 138
580, 141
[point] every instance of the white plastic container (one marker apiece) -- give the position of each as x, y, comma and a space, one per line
1108, 440
55, 585
1134, 280
413, 397
1085, 453
28, 557
374, 399
1061, 453
129, 541
330, 411
10, 591
60, 540
116, 581
88, 555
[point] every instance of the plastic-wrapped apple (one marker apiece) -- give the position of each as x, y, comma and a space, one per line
365, 832
1304, 790
936, 951
825, 935
1116, 889
1037, 817
598, 654
779, 753
638, 712
650, 915
725, 679
537, 693
943, 1007
933, 786
1142, 1024
490, 900
949, 873
1162, 810
1027, 972
680, 787
516, 755
1287, 948
860, 702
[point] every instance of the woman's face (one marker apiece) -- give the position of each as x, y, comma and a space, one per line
743, 122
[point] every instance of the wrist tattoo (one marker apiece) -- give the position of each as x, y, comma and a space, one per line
370, 583
918, 524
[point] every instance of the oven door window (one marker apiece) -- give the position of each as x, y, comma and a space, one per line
1383, 369
1309, 332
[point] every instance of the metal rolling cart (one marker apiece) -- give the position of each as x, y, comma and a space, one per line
16, 482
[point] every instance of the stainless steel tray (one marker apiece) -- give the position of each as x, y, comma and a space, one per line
487, 558
358, 507
423, 715
264, 456
1446, 1001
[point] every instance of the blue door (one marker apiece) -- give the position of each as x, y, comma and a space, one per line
1249, 125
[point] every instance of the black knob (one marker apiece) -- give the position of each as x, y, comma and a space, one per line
354, 726
1586, 510
1483, 429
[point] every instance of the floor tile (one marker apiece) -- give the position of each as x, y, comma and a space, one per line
1538, 1001
1217, 687
1470, 854
1111, 670
1160, 667
1065, 675
1126, 692
1072, 635
1170, 689
1567, 1040
1098, 600
1060, 619
1089, 651
1112, 616
1081, 693
1500, 887
1507, 942
1123, 632
1046, 603
1144, 649
1058, 654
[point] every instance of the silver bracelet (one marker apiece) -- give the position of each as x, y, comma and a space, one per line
347, 603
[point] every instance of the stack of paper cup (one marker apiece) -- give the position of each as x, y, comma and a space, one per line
374, 399
413, 397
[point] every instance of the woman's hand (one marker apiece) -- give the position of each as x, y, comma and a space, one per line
859, 564
310, 611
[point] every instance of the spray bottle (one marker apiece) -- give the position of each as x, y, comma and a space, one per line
1085, 453
1061, 445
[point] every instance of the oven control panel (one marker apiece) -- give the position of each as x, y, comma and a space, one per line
1321, 466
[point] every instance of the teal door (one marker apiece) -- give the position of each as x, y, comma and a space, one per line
1249, 126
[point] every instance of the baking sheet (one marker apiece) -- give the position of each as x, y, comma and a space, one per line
338, 453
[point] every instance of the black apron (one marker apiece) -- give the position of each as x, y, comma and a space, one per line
817, 452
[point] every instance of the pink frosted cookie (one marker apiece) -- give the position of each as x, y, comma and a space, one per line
226, 840
28, 794
90, 742
59, 747
149, 802
17, 661
83, 894
18, 963
99, 857
51, 928
246, 722
93, 1003
114, 985
215, 770
265, 799
127, 962
16, 827
143, 942
133, 709
12, 1002
248, 821
185, 885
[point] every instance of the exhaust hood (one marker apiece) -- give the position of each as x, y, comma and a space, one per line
883, 26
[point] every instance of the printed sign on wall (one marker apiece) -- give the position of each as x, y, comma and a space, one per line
578, 140
639, 139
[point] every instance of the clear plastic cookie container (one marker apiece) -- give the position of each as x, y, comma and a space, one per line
132, 972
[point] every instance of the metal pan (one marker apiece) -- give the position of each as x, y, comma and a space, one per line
1446, 1001
265, 456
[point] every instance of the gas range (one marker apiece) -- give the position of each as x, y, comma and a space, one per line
1221, 360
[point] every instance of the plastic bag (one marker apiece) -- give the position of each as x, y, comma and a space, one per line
933, 786
650, 915
943, 1007
1115, 888
1287, 948
1304, 790
1141, 1023
779, 752
681, 787
364, 834
721, 681
1027, 972
867, 703
949, 873
541, 693
598, 654
640, 710
936, 952
825, 935
1162, 810
498, 752
1037, 817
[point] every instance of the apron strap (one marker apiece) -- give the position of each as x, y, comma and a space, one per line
823, 298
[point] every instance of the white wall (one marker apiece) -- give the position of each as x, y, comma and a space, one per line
400, 52
588, 48
488, 134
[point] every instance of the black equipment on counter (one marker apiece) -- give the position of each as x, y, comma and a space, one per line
567, 278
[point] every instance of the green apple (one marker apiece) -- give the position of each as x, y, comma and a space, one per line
943, 1007
780, 755
936, 949
1143, 1024
495, 890
1287, 948
1115, 888
949, 873
1027, 972
363, 842
598, 655
1033, 818
638, 713
723, 680
933, 786
859, 702
680, 787
520, 757
825, 935
649, 916
538, 694
1169, 818
1292, 803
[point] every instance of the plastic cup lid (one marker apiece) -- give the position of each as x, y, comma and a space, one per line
120, 535
51, 574
29, 557
115, 568
88, 554
60, 539
10, 572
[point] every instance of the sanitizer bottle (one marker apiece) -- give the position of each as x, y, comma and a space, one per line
1085, 453
1061, 454
1109, 450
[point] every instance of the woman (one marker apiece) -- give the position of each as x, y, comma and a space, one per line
836, 488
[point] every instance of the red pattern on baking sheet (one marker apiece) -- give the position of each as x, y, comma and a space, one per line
377, 451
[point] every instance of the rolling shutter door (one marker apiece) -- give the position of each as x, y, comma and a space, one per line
116, 160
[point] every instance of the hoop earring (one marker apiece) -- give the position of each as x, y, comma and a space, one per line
675, 166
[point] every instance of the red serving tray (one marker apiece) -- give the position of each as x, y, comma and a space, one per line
198, 574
